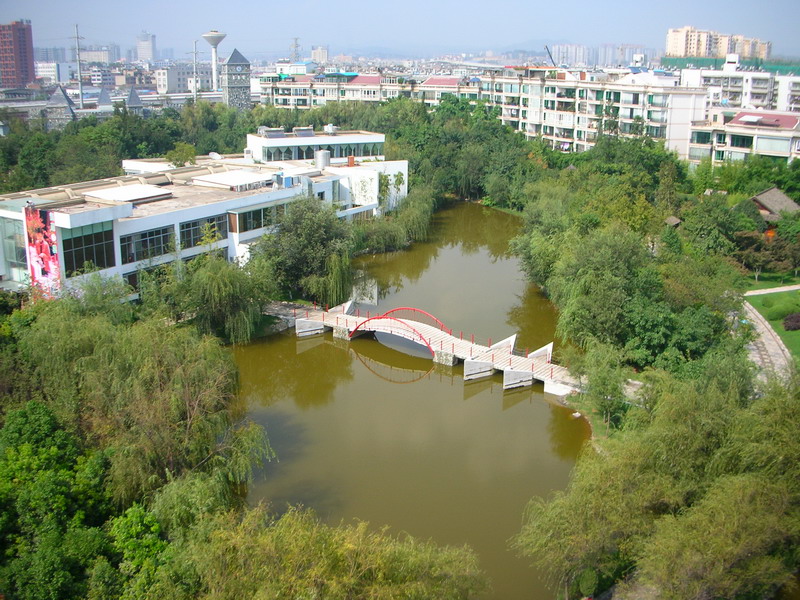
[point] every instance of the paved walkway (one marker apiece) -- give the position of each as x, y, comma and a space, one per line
775, 290
768, 350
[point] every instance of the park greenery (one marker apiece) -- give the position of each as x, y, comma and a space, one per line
124, 460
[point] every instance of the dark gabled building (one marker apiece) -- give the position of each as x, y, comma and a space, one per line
772, 202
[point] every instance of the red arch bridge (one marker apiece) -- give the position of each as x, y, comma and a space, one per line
518, 368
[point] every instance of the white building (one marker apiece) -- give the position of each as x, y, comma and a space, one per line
285, 67
102, 77
319, 55
146, 47
735, 135
571, 108
53, 72
733, 87
179, 79
100, 54
568, 108
124, 225
271, 144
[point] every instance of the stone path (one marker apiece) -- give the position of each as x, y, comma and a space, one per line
768, 350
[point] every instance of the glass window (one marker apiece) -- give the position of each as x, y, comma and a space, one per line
261, 217
192, 231
146, 244
741, 141
701, 137
91, 243
765, 144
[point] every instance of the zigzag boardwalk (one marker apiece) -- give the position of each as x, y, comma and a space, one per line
519, 369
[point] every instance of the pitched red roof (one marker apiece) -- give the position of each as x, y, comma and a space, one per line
765, 119
443, 81
366, 79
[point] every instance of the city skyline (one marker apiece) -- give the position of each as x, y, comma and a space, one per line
416, 29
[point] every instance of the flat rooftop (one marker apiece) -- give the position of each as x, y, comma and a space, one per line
161, 192
322, 136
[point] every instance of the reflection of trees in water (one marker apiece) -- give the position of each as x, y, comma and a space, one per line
474, 227
567, 435
392, 269
470, 226
534, 318
272, 370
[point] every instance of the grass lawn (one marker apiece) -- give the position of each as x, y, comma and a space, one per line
790, 338
770, 280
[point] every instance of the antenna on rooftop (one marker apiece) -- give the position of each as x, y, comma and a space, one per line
78, 59
295, 49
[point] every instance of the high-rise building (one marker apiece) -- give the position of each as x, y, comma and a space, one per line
146, 47
99, 54
574, 55
16, 54
54, 55
690, 42
319, 55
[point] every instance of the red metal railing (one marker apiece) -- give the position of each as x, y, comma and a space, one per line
406, 328
416, 312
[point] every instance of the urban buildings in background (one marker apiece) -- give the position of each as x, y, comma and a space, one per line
16, 54
319, 55
98, 54
591, 90
606, 55
690, 42
146, 47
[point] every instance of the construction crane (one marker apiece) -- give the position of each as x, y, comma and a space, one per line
551, 56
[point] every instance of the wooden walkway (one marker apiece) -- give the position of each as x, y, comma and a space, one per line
518, 368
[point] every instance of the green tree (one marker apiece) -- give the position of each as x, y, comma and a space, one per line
308, 237
181, 155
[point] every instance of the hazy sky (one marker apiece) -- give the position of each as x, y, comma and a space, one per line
261, 29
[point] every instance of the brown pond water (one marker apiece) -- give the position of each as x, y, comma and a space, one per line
367, 431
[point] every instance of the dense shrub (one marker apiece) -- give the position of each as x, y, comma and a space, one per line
792, 322
781, 310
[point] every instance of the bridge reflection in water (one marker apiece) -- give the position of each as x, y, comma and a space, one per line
392, 362
519, 368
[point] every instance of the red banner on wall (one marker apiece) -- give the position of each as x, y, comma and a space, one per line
42, 248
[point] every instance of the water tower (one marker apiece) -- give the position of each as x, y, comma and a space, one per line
214, 37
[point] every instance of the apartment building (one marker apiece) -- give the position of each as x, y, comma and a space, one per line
308, 91
689, 41
735, 135
127, 224
102, 77
732, 87
568, 108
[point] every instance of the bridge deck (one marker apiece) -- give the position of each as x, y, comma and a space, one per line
480, 360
